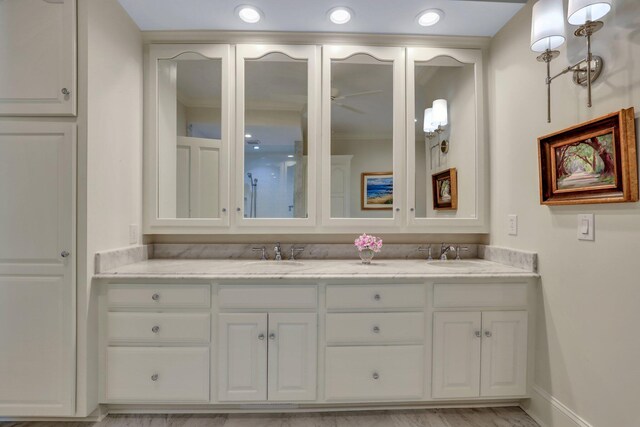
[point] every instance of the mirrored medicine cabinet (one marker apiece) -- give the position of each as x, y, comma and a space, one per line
267, 138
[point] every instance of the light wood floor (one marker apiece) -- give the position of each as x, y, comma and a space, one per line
482, 417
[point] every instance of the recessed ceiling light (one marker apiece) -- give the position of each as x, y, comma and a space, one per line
290, 156
256, 147
249, 14
340, 15
247, 135
430, 17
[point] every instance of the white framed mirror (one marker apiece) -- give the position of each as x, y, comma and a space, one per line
446, 149
363, 136
188, 133
277, 128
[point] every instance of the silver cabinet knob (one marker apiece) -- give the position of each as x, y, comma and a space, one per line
155, 297
154, 377
238, 209
376, 329
224, 210
375, 376
487, 334
397, 209
155, 329
376, 297
272, 336
261, 337
478, 334
65, 91
412, 209
64, 254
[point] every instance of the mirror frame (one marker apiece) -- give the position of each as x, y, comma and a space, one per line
312, 55
396, 55
154, 224
479, 223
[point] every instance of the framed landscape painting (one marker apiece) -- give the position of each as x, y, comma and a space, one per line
376, 190
594, 162
445, 190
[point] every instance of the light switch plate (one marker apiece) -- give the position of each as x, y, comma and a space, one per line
133, 234
586, 227
512, 224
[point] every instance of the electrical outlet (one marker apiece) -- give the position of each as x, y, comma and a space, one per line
586, 227
512, 225
133, 234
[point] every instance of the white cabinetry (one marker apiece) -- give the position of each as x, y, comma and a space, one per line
289, 371
156, 342
37, 267
479, 354
375, 351
38, 51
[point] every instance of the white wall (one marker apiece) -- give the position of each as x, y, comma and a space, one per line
588, 350
110, 154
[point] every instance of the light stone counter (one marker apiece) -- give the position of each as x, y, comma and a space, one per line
179, 269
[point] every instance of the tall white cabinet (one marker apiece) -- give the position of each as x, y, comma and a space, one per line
38, 51
37, 268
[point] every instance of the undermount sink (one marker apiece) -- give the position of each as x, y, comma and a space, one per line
271, 264
453, 263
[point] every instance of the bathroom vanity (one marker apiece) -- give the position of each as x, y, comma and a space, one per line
248, 335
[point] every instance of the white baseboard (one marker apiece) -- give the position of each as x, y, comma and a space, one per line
548, 411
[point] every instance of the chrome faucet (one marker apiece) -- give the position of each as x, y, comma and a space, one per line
278, 252
444, 250
263, 251
428, 251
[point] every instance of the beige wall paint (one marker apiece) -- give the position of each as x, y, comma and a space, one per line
110, 153
588, 351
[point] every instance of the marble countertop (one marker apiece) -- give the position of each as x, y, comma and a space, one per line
310, 269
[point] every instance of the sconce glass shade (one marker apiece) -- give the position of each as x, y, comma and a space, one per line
581, 11
428, 126
547, 25
440, 112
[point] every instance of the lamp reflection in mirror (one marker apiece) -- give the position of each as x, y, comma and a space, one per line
435, 119
548, 34
428, 127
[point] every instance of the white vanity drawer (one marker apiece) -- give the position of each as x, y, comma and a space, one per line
479, 295
375, 328
375, 296
157, 374
179, 328
259, 297
362, 373
160, 296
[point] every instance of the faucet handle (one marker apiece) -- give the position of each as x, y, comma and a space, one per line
294, 250
461, 249
428, 251
263, 257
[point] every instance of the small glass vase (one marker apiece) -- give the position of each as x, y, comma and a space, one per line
366, 255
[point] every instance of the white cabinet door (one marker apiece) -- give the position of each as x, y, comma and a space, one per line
504, 353
38, 51
37, 265
456, 354
292, 356
242, 357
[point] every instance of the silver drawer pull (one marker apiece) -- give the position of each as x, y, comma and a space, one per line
272, 336
375, 375
65, 91
376, 329
261, 337
155, 297
64, 254
154, 377
376, 297
487, 334
155, 329
478, 334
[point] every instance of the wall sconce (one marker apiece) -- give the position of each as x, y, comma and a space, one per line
547, 34
435, 119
